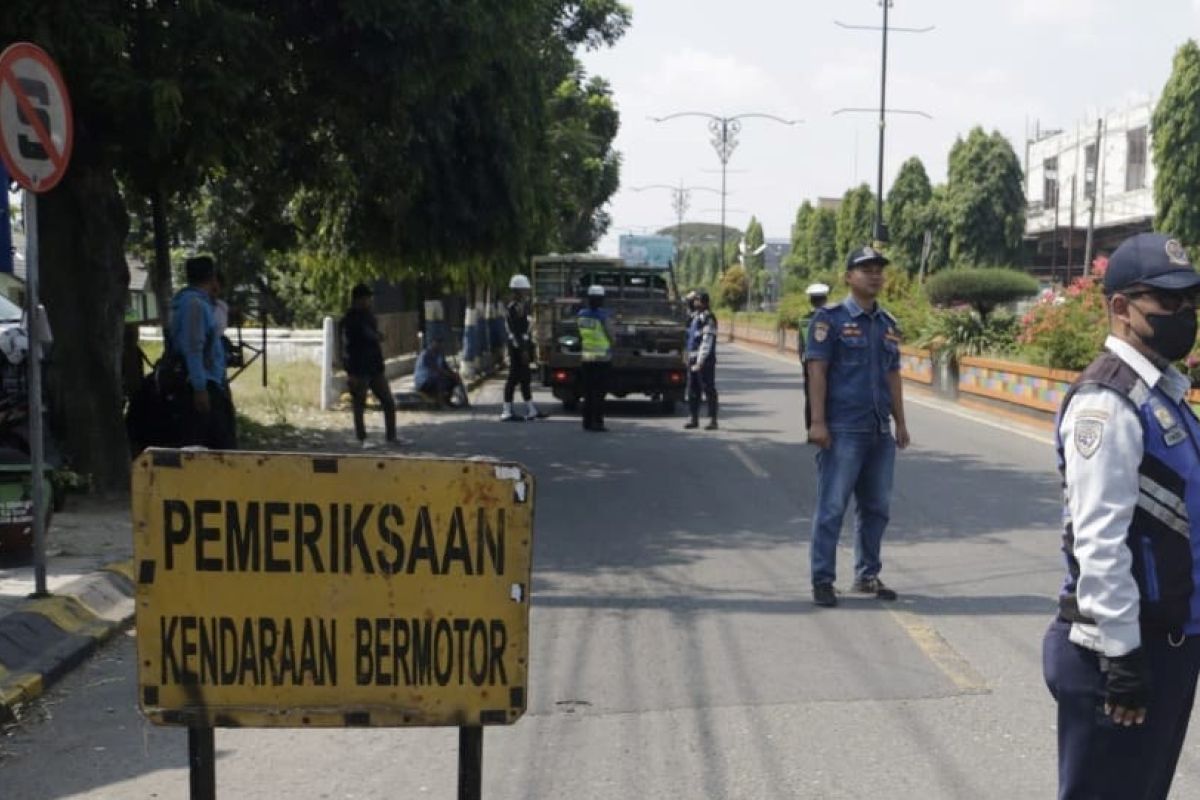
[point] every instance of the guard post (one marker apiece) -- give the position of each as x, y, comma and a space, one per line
305, 590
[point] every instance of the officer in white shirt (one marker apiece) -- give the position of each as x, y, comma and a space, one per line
1123, 656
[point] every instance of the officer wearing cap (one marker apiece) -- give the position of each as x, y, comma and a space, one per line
702, 362
853, 368
1122, 657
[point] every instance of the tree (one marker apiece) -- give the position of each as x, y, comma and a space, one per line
985, 200
855, 220
983, 288
822, 250
1176, 148
734, 288
906, 211
796, 262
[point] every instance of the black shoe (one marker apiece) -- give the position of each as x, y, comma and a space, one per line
691, 424
711, 426
824, 595
873, 586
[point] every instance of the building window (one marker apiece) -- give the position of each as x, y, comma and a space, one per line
1050, 182
1089, 171
1135, 159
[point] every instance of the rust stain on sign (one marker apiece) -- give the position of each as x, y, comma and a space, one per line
280, 589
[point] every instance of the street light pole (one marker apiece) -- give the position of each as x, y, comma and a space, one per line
724, 131
880, 229
680, 201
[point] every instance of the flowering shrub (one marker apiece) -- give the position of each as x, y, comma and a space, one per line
1066, 331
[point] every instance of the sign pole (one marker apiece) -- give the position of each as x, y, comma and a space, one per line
470, 762
202, 764
34, 363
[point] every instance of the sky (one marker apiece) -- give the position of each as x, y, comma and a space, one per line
1006, 65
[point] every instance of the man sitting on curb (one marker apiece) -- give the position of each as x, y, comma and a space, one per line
434, 377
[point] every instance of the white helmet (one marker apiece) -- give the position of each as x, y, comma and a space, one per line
519, 282
595, 290
817, 289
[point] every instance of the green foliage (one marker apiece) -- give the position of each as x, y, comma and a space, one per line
1176, 148
855, 220
962, 332
985, 200
904, 298
983, 289
907, 213
733, 288
822, 252
1068, 331
797, 262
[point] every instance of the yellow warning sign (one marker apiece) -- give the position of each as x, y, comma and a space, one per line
292, 590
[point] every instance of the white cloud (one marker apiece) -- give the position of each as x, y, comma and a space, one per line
712, 82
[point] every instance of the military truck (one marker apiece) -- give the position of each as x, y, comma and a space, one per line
649, 355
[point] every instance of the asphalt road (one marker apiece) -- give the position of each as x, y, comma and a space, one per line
675, 653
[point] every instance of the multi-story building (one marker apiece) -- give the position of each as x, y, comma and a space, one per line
1100, 167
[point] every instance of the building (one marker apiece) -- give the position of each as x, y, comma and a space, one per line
1102, 164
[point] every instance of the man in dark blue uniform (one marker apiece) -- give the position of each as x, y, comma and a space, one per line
1123, 655
852, 364
702, 362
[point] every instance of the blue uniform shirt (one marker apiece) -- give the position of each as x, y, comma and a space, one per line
861, 348
194, 336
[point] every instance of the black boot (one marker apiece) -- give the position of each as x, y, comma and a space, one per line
692, 423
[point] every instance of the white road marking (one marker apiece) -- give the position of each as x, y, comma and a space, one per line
942, 406
744, 457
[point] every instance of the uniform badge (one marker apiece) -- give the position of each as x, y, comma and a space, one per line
821, 331
1166, 420
1176, 254
1089, 432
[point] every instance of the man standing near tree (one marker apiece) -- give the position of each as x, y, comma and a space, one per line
207, 410
853, 369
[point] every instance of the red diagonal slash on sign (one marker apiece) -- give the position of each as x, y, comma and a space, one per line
9, 77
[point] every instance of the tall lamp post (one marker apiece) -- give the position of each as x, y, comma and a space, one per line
881, 233
681, 199
1052, 178
724, 131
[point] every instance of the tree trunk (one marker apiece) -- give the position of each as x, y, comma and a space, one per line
160, 272
84, 286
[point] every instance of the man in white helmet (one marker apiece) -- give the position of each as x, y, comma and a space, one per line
818, 296
520, 350
596, 336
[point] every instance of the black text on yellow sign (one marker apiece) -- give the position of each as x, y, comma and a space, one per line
293, 590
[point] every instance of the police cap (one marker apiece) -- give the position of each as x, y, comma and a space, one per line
864, 256
1152, 259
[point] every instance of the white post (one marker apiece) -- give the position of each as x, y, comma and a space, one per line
328, 342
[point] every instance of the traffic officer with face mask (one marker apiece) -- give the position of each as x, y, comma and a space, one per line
1122, 657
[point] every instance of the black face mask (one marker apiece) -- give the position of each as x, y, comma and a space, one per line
1174, 334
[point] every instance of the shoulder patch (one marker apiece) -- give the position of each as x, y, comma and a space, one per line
820, 331
1089, 433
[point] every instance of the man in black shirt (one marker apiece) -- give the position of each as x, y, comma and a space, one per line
362, 356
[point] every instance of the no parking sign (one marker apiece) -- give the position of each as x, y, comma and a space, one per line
36, 129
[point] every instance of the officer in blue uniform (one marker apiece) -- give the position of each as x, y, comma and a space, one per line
852, 363
702, 362
1122, 657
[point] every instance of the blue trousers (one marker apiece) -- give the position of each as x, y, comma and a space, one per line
1099, 760
858, 463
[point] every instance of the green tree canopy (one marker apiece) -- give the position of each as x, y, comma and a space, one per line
983, 288
907, 204
822, 252
855, 220
985, 200
796, 262
1176, 148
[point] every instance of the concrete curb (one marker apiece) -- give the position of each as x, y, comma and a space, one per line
46, 637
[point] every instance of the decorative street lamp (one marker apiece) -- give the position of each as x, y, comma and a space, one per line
724, 131
681, 198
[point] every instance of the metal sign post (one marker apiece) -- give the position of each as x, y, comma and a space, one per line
36, 136
470, 763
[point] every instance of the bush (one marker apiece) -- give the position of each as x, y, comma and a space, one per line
1068, 330
962, 332
981, 288
733, 288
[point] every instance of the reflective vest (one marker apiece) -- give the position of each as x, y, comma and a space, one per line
1164, 535
594, 338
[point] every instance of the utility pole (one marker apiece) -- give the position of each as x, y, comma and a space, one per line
1071, 234
681, 199
880, 228
1052, 178
1092, 177
724, 131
